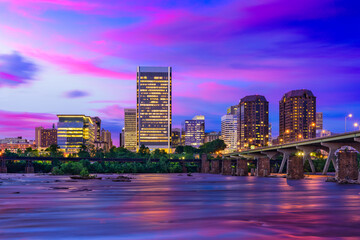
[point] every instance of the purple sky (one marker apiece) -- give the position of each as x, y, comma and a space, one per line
72, 56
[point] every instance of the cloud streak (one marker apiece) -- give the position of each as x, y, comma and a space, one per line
16, 69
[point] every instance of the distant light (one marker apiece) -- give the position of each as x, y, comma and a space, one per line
350, 115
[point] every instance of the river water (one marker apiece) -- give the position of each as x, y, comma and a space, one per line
176, 206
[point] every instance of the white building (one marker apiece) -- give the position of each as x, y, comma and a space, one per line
229, 134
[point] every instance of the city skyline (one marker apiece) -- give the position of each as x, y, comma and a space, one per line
94, 73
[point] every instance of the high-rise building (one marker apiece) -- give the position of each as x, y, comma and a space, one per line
195, 131
130, 130
253, 122
319, 121
233, 110
75, 131
154, 107
229, 126
97, 128
121, 138
297, 116
44, 138
211, 136
106, 138
175, 137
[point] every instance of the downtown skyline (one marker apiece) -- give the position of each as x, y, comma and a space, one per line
59, 70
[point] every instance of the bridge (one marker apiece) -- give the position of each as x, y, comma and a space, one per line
290, 151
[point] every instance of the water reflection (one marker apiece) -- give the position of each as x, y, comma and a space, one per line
173, 206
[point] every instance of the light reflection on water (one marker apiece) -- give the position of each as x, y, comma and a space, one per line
172, 206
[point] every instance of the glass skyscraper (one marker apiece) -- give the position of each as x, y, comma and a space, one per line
154, 107
130, 129
195, 131
75, 131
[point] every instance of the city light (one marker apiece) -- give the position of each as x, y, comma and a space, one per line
348, 116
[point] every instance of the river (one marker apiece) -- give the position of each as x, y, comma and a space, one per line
176, 206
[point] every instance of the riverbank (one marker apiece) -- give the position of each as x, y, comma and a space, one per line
176, 206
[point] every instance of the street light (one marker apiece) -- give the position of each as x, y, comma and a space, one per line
356, 125
348, 116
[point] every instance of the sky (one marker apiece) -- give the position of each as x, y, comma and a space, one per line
80, 57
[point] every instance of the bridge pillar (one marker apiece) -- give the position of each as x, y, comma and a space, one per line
3, 168
347, 166
29, 168
263, 166
307, 151
205, 164
241, 167
252, 173
215, 167
286, 155
295, 168
226, 167
333, 147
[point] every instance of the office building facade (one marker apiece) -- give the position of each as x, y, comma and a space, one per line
195, 131
75, 131
44, 138
211, 136
130, 129
229, 126
253, 122
154, 107
297, 120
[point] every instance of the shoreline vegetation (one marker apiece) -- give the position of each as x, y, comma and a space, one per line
212, 149
56, 167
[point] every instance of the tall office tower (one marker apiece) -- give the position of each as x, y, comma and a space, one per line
154, 107
75, 131
233, 110
106, 138
195, 131
254, 122
38, 136
97, 128
121, 138
297, 116
44, 138
229, 126
319, 121
130, 130
175, 137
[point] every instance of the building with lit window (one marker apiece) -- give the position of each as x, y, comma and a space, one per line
211, 136
106, 139
176, 137
75, 131
297, 116
154, 107
130, 130
97, 128
44, 138
195, 131
16, 144
229, 126
253, 122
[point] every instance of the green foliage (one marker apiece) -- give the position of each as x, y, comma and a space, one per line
84, 173
57, 171
213, 146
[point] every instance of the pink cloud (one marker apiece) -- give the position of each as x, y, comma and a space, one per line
111, 112
13, 124
80, 66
